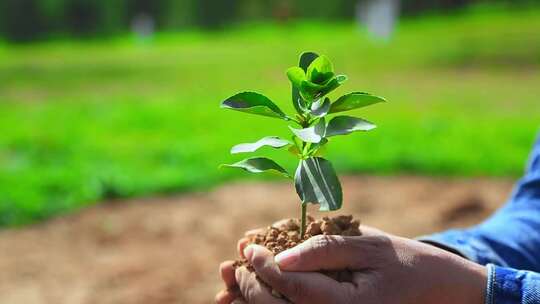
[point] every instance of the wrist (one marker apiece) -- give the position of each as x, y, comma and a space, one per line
463, 281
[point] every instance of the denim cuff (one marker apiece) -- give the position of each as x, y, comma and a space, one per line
511, 286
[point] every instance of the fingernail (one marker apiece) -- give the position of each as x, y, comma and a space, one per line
248, 252
287, 258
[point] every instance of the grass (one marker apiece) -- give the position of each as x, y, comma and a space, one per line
82, 122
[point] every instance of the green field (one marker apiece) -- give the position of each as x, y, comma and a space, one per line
86, 121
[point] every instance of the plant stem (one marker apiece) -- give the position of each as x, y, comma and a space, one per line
303, 221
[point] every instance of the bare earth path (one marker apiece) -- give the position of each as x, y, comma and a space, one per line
166, 250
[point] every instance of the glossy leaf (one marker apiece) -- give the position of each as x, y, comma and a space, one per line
254, 103
329, 87
316, 182
343, 125
296, 75
312, 134
270, 141
259, 165
354, 101
310, 91
320, 70
321, 107
305, 60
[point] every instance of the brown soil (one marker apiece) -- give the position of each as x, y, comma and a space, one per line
166, 250
286, 234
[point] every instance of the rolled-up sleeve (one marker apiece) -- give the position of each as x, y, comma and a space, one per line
510, 286
507, 241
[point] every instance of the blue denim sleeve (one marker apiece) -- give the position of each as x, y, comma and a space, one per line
509, 239
510, 286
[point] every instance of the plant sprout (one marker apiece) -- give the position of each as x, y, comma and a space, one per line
315, 179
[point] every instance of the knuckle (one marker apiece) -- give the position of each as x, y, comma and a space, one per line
249, 288
325, 244
258, 261
376, 248
251, 295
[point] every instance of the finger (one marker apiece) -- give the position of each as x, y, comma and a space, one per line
241, 245
226, 270
252, 290
370, 231
253, 232
300, 288
325, 252
239, 301
227, 296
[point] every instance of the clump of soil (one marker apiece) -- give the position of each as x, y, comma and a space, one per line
286, 234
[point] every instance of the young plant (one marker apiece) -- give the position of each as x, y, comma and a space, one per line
315, 180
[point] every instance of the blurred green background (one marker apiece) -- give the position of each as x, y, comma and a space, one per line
92, 108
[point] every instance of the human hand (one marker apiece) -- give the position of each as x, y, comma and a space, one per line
387, 269
232, 293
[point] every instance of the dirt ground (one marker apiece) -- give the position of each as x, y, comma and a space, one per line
166, 250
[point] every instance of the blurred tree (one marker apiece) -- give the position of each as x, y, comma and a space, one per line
83, 17
418, 6
21, 20
251, 10
324, 9
177, 14
216, 13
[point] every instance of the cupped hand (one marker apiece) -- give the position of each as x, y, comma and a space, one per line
386, 268
231, 294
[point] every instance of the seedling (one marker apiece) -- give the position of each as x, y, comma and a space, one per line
315, 179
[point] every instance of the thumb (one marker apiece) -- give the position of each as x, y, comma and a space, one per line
330, 252
312, 288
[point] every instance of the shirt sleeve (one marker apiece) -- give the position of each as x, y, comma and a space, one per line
511, 237
507, 241
511, 286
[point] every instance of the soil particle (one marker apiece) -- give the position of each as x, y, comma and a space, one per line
286, 235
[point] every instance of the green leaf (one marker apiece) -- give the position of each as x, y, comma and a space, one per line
312, 134
259, 165
320, 70
316, 182
321, 107
342, 79
354, 101
305, 60
296, 75
270, 141
310, 91
254, 103
329, 87
343, 125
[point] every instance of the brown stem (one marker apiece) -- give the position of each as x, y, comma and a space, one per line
303, 221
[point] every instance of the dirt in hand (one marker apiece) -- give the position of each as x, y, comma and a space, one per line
286, 234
